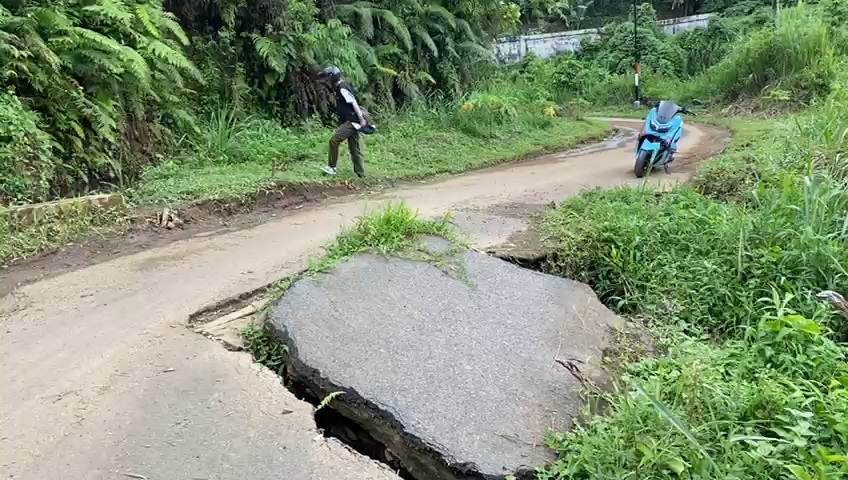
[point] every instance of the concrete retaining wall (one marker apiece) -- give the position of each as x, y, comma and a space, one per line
22, 215
546, 45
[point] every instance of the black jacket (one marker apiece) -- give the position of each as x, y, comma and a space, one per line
345, 110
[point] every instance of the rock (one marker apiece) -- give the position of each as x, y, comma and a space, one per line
458, 377
167, 218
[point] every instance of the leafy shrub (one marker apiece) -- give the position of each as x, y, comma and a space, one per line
835, 12
487, 112
706, 47
105, 77
563, 77
26, 154
615, 49
683, 256
799, 56
732, 411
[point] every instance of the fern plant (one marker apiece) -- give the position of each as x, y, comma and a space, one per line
104, 76
391, 50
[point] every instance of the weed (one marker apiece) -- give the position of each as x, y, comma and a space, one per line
417, 146
56, 229
326, 401
753, 381
393, 229
266, 350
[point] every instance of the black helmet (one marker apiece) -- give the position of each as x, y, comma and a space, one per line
332, 73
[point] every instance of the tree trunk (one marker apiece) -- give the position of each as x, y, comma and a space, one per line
328, 9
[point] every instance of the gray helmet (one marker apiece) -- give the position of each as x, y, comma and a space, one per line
332, 73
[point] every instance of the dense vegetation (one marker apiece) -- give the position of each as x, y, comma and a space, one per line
751, 382
564, 14
94, 93
192, 100
105, 94
94, 90
738, 58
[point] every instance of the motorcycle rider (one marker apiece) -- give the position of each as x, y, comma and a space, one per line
352, 119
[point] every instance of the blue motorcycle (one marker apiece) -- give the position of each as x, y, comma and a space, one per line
658, 139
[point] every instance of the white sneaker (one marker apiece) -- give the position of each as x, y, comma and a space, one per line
329, 170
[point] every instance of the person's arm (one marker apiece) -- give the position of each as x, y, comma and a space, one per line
352, 101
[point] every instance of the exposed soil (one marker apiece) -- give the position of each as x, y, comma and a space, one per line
213, 217
201, 219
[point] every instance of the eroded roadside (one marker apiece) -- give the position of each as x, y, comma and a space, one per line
216, 217
210, 219
101, 380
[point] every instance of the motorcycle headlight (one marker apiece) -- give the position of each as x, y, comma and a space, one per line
659, 127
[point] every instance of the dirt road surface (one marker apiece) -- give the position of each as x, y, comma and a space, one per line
101, 379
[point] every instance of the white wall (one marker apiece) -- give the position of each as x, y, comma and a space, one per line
545, 45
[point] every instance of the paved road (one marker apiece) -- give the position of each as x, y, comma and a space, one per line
101, 380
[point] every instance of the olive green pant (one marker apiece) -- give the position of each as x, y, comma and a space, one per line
346, 131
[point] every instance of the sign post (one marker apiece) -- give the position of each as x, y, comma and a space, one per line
635, 55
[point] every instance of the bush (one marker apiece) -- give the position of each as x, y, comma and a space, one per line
772, 407
615, 49
26, 154
706, 47
563, 77
107, 80
504, 106
681, 256
800, 57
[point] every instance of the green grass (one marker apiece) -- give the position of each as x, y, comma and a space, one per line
752, 384
746, 162
408, 149
236, 156
55, 231
390, 230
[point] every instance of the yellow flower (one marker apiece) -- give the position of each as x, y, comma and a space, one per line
550, 112
466, 107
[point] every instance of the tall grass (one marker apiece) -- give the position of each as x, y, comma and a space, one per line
799, 56
753, 384
772, 407
504, 107
55, 229
235, 156
706, 263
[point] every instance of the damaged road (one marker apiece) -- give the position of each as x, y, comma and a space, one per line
101, 380
458, 376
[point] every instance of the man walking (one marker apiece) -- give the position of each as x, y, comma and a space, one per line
352, 120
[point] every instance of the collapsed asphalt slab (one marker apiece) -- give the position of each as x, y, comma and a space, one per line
459, 374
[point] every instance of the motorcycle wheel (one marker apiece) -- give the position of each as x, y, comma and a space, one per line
641, 166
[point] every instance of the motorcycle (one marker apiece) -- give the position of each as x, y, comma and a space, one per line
658, 139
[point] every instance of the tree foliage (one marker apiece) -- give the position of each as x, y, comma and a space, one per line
91, 80
100, 84
394, 51
617, 46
